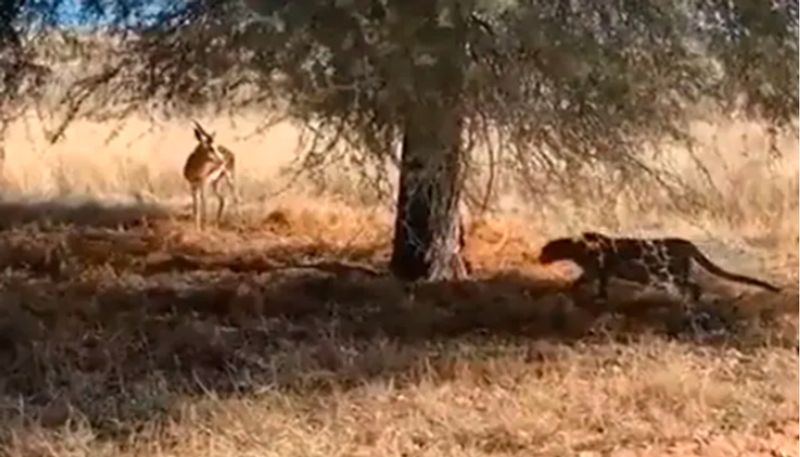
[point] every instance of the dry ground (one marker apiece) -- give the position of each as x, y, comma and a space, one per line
265, 338
125, 332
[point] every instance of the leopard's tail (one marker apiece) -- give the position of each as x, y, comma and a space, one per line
717, 270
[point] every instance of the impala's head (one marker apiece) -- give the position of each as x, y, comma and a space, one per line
206, 142
203, 137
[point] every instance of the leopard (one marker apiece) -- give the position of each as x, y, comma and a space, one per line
647, 261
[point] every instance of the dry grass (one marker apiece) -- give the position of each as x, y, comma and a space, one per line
125, 332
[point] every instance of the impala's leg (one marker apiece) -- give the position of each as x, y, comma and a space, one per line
195, 206
220, 198
230, 180
203, 205
234, 191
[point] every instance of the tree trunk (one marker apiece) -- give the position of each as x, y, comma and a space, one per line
428, 234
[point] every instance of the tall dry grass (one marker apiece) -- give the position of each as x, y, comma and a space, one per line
747, 197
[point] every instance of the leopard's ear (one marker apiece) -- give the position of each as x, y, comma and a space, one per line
593, 236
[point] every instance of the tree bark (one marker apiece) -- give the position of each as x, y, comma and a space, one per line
428, 233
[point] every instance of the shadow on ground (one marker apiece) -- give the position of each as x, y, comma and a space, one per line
78, 213
111, 325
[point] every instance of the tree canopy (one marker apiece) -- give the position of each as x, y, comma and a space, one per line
559, 75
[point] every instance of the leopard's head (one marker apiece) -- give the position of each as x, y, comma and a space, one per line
561, 249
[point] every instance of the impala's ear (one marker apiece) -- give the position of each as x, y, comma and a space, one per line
201, 133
